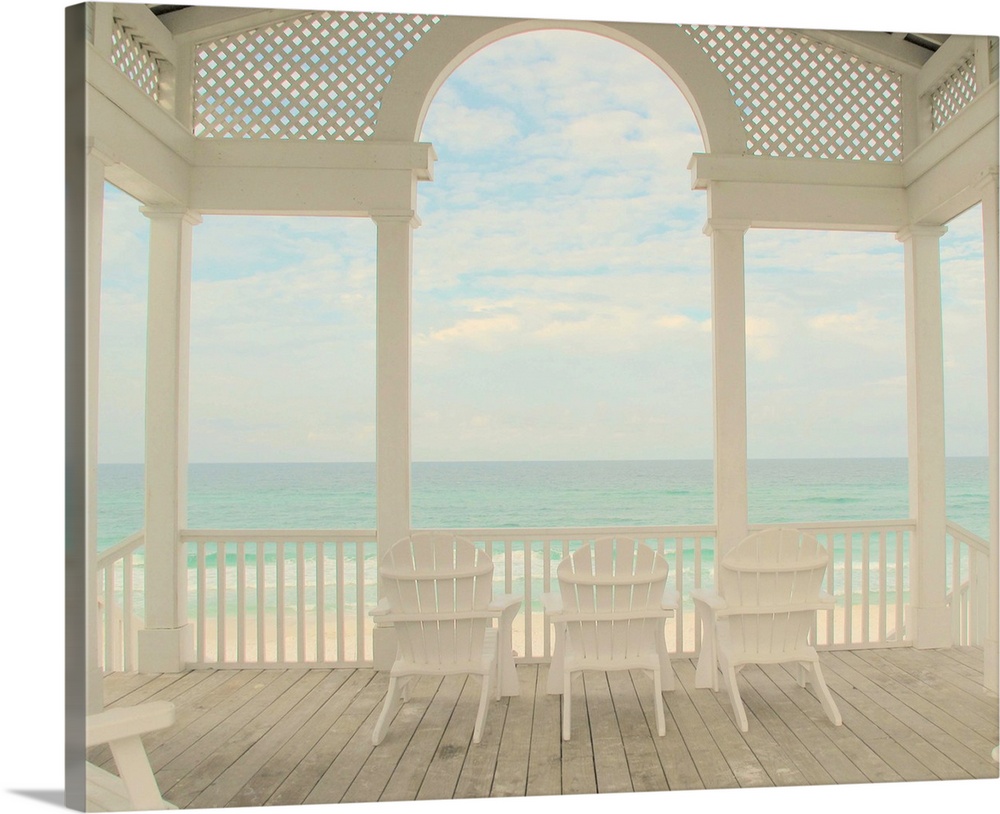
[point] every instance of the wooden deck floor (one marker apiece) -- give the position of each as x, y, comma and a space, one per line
246, 737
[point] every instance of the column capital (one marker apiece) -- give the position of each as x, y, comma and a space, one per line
395, 216
171, 212
726, 225
919, 230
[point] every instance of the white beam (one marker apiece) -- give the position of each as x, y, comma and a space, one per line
802, 193
96, 161
165, 643
991, 256
392, 385
925, 401
729, 381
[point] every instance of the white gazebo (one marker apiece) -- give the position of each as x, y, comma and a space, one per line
825, 130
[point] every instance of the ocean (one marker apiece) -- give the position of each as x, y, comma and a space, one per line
529, 494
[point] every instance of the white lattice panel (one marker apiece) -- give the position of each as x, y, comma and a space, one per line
135, 60
320, 76
803, 98
954, 93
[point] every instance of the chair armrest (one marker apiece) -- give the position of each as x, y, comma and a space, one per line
505, 601
381, 609
671, 598
710, 599
826, 599
127, 722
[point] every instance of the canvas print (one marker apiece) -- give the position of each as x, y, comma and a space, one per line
480, 406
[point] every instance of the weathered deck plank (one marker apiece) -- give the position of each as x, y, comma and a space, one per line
545, 747
282, 737
906, 752
638, 735
936, 725
510, 778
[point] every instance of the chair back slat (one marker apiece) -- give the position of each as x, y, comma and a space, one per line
436, 578
779, 569
608, 589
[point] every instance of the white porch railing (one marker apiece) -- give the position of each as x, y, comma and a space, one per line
120, 594
266, 598
281, 597
967, 576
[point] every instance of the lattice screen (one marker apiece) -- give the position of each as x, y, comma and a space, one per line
136, 61
954, 93
320, 76
803, 98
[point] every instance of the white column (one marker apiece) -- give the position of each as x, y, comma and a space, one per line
166, 643
729, 380
392, 388
929, 621
96, 163
991, 256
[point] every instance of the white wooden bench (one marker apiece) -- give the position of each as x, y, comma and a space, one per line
134, 787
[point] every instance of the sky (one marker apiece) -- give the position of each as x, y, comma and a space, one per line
561, 298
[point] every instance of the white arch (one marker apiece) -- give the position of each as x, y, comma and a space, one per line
417, 78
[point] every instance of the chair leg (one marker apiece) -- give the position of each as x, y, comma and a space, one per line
661, 722
729, 676
484, 697
393, 698
135, 772
666, 668
825, 698
566, 705
707, 669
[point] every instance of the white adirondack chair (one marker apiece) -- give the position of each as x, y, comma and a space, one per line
770, 588
609, 614
122, 728
438, 596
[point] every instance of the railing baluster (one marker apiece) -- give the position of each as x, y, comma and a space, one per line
831, 581
883, 608
866, 552
300, 600
957, 600
279, 600
241, 610
128, 613
261, 603
900, 585
321, 602
848, 586
528, 614
360, 600
342, 597
546, 588
110, 640
200, 614
221, 600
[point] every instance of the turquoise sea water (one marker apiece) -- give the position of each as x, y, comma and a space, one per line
538, 493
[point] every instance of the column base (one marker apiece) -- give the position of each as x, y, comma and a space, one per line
166, 650
931, 627
383, 647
